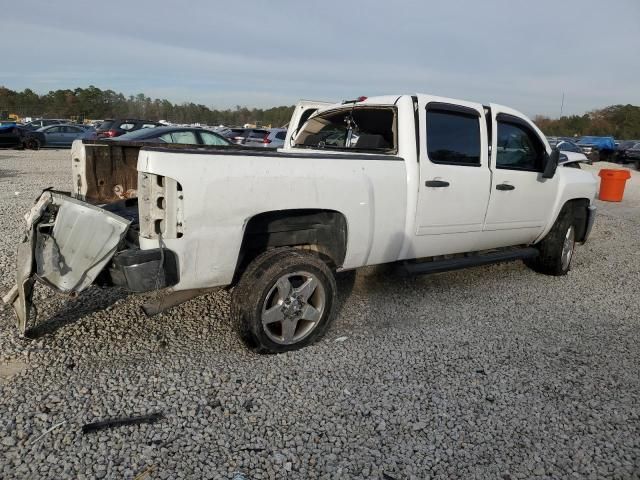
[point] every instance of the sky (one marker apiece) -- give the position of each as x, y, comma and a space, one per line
520, 53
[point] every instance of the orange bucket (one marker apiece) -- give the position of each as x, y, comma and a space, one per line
612, 184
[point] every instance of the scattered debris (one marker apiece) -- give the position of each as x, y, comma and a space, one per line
252, 449
117, 422
10, 368
146, 473
239, 476
47, 432
340, 339
248, 404
481, 371
169, 441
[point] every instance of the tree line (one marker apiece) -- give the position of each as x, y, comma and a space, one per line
94, 103
619, 121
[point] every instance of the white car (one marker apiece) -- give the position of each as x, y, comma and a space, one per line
423, 182
571, 153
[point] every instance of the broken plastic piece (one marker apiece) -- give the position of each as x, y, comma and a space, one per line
117, 422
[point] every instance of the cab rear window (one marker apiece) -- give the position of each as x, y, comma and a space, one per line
364, 128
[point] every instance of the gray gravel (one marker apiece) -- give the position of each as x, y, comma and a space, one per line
493, 372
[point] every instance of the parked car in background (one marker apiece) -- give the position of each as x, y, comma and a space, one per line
61, 135
13, 135
274, 138
184, 135
43, 122
239, 136
114, 128
597, 148
572, 153
622, 147
10, 136
633, 155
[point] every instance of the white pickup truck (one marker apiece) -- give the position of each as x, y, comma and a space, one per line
427, 183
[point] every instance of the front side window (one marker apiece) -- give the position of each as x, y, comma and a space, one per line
352, 128
54, 130
519, 148
453, 137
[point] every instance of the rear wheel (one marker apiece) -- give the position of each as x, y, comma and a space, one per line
284, 300
32, 144
557, 248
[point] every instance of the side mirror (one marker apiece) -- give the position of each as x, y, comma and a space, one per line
551, 164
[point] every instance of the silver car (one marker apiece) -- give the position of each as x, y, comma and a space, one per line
274, 138
61, 135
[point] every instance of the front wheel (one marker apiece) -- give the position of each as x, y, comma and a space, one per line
284, 301
557, 248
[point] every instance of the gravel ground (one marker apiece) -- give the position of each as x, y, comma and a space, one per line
493, 372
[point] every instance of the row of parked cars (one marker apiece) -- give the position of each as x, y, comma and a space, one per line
61, 133
593, 148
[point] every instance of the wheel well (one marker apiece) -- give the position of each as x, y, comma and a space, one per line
323, 231
579, 207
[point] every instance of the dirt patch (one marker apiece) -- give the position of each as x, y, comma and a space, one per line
11, 368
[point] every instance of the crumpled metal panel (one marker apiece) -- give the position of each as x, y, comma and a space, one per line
82, 240
67, 244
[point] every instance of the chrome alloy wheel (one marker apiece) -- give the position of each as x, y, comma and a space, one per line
293, 307
568, 247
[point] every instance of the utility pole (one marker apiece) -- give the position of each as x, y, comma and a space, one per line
562, 105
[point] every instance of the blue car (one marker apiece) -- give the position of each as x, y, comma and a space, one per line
61, 135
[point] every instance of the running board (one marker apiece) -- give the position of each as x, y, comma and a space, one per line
476, 260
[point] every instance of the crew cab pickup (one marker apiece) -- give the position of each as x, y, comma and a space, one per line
423, 182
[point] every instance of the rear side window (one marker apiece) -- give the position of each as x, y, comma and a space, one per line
127, 126
105, 125
351, 128
187, 138
519, 148
453, 137
209, 138
148, 125
281, 135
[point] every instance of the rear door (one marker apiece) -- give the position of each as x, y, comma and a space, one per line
521, 199
454, 176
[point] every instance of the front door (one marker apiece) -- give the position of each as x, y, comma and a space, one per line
520, 198
454, 177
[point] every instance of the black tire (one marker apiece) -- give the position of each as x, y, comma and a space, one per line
257, 294
551, 260
32, 144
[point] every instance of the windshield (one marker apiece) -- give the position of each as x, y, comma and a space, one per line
351, 128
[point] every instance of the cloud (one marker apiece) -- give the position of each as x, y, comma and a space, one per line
516, 53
